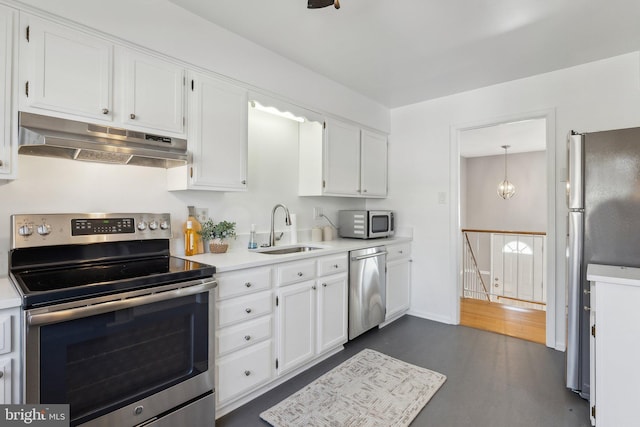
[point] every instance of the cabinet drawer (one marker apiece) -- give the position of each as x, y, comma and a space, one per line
296, 272
243, 282
243, 335
244, 308
400, 250
243, 371
333, 264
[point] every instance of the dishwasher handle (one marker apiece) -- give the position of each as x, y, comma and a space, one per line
358, 258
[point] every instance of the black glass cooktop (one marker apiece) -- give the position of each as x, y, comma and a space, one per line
48, 286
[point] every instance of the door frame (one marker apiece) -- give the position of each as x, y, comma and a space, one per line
555, 293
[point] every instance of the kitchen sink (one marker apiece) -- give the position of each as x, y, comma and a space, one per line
287, 250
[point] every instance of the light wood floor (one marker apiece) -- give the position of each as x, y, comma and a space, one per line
516, 322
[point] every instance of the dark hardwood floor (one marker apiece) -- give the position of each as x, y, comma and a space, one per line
492, 380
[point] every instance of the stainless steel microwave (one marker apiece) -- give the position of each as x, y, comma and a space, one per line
362, 224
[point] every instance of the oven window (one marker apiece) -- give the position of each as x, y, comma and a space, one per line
100, 363
379, 223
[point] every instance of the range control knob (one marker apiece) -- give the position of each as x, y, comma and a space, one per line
142, 226
153, 225
25, 230
164, 225
44, 229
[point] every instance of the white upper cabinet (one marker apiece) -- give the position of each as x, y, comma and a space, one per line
8, 150
64, 70
152, 92
340, 159
218, 121
373, 166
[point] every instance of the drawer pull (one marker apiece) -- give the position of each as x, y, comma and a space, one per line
1, 374
248, 310
300, 274
400, 252
132, 116
247, 337
324, 285
313, 287
248, 284
336, 266
247, 373
105, 111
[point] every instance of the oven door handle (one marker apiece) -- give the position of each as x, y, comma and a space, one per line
114, 305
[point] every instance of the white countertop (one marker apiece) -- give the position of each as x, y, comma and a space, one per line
613, 274
8, 295
238, 259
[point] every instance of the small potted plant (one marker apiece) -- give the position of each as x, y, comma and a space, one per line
215, 234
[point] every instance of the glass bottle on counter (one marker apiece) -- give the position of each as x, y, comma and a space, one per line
190, 240
252, 237
197, 227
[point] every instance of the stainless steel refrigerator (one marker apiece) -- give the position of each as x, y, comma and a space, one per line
603, 196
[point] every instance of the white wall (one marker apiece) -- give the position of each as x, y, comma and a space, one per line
595, 96
48, 185
485, 210
168, 29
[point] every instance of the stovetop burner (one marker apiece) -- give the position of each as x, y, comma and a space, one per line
92, 261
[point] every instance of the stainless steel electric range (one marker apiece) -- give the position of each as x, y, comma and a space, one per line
113, 324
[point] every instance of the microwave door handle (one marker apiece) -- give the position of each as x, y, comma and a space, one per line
110, 306
358, 258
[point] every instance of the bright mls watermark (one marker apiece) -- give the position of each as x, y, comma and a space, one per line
34, 415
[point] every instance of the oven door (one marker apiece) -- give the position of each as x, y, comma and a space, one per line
125, 359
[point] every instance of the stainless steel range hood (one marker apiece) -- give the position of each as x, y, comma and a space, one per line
68, 139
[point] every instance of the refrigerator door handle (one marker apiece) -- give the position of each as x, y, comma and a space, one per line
575, 171
575, 246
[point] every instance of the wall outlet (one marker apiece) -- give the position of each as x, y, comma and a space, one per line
202, 214
317, 213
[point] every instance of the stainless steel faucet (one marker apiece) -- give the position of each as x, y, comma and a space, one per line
287, 221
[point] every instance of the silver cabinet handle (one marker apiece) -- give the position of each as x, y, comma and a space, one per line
132, 116
243, 182
324, 285
248, 284
313, 287
587, 308
336, 266
247, 337
247, 373
1, 163
105, 111
358, 258
300, 274
248, 310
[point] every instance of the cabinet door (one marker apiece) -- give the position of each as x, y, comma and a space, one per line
373, 181
5, 381
296, 325
65, 70
332, 312
398, 286
7, 147
218, 120
341, 159
153, 96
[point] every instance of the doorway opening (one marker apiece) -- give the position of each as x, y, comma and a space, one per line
503, 251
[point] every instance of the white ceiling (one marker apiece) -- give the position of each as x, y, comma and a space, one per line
399, 52
521, 136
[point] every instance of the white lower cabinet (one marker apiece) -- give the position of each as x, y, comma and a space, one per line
311, 314
10, 356
256, 350
398, 280
244, 370
244, 333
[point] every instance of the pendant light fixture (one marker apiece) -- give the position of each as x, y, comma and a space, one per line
506, 189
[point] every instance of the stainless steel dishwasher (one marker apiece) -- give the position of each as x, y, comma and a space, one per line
367, 294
